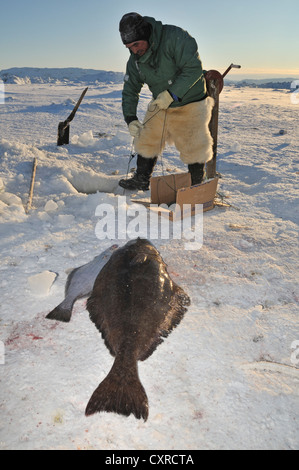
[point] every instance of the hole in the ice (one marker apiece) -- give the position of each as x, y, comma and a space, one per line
88, 182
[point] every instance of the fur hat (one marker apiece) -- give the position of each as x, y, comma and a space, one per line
133, 27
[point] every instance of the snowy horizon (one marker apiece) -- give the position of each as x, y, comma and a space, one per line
23, 75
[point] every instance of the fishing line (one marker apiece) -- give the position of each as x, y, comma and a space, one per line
132, 155
161, 156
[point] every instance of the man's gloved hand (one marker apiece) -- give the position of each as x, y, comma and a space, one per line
135, 128
163, 100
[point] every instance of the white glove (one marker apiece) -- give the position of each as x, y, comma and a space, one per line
135, 128
163, 100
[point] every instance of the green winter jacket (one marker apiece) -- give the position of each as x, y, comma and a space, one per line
171, 63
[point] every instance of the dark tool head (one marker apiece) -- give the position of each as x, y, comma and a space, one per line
64, 127
63, 136
215, 75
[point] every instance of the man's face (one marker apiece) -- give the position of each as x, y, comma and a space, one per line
138, 47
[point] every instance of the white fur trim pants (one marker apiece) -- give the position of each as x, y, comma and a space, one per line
186, 127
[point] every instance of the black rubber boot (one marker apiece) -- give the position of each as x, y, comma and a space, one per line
197, 171
141, 178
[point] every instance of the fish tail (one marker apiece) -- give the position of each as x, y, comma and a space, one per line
61, 314
120, 392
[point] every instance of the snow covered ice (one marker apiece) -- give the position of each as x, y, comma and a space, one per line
227, 377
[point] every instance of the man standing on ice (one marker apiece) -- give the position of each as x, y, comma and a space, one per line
165, 57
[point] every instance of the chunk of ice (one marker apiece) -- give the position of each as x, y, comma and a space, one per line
40, 284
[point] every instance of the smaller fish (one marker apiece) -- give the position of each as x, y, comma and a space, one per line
80, 284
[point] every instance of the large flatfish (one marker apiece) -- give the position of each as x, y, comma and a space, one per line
79, 284
134, 304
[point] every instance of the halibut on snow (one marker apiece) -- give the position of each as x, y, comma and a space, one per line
134, 304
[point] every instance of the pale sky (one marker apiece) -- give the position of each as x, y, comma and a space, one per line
260, 35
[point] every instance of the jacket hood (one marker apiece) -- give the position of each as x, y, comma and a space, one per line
156, 33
